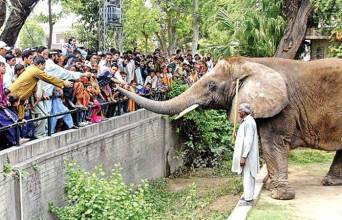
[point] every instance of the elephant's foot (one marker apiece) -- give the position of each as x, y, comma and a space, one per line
283, 193
332, 180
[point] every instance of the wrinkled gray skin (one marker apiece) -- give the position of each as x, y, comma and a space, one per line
296, 104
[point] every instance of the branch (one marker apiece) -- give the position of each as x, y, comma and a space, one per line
296, 29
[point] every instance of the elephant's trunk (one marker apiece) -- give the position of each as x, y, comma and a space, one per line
169, 107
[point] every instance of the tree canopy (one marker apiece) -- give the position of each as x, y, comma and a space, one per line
221, 27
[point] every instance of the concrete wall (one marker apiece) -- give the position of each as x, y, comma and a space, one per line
141, 142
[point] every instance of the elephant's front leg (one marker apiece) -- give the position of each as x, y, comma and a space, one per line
275, 152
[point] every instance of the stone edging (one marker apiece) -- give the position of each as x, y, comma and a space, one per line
241, 212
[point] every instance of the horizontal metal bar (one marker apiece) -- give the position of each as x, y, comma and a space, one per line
14, 125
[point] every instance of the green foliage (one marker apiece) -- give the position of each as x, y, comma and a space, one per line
207, 134
7, 168
32, 34
88, 39
87, 28
328, 14
247, 28
177, 88
307, 156
140, 24
92, 196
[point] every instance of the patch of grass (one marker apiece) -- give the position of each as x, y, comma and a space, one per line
193, 201
306, 156
271, 212
265, 210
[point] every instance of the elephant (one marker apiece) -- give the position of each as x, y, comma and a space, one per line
295, 104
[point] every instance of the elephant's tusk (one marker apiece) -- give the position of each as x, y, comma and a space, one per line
186, 111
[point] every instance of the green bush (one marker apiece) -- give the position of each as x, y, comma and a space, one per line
207, 134
92, 196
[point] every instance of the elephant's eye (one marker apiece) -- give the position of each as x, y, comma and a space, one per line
211, 86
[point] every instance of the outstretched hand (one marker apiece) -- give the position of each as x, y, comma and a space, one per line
68, 84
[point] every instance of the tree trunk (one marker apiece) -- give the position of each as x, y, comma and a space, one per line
171, 31
146, 42
195, 26
161, 40
297, 13
2, 12
16, 19
50, 25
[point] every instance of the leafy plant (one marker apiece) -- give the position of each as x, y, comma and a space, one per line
249, 28
207, 134
32, 34
328, 15
92, 196
7, 168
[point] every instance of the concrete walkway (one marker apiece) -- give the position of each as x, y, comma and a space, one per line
313, 201
241, 212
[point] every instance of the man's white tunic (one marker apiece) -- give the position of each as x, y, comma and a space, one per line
246, 145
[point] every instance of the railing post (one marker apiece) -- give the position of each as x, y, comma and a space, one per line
119, 107
49, 125
77, 122
17, 135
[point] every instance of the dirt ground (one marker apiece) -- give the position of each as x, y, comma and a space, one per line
313, 201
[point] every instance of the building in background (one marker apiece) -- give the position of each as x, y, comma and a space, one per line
61, 27
319, 42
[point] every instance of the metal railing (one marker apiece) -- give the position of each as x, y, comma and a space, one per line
18, 125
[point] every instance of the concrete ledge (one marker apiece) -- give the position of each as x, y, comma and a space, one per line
15, 155
142, 142
241, 212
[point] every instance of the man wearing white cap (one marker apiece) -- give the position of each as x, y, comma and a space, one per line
246, 153
3, 50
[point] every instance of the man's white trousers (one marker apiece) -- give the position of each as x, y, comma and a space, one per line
248, 184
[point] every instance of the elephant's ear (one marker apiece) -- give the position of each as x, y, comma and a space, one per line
264, 89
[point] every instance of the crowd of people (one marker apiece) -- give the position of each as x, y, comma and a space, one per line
38, 82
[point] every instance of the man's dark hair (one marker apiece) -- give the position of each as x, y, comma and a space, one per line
77, 52
77, 60
18, 67
38, 60
41, 49
70, 39
9, 56
109, 54
13, 98
93, 71
113, 50
116, 52
26, 54
115, 65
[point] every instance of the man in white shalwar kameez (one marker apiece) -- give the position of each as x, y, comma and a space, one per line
246, 153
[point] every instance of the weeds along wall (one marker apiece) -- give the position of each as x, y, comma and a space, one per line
142, 142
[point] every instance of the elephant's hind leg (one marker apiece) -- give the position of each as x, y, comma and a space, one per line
334, 176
